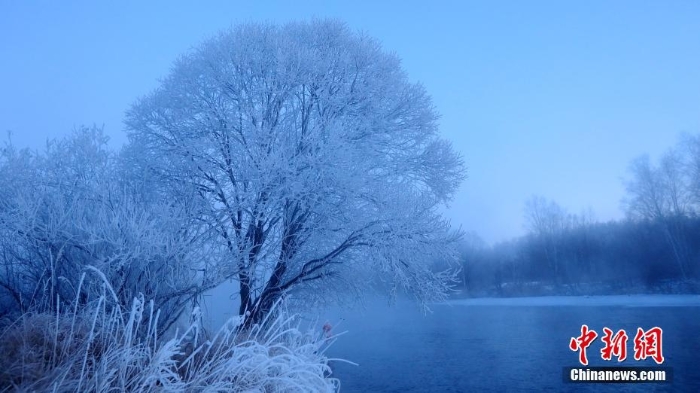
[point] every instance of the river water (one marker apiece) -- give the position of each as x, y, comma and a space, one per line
502, 345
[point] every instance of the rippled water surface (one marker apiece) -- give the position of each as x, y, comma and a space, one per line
505, 346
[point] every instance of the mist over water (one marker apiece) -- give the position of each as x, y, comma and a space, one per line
498, 348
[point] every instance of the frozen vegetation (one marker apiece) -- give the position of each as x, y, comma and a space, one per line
100, 347
288, 159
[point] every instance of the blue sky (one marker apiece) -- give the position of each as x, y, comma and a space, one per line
550, 98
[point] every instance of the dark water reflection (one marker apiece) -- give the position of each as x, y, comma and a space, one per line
501, 348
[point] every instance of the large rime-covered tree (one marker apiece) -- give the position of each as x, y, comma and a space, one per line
318, 159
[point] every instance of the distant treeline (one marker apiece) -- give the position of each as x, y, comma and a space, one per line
612, 257
655, 249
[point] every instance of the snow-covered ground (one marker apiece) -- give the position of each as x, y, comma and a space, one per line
588, 301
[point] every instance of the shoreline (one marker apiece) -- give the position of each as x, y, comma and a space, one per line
641, 300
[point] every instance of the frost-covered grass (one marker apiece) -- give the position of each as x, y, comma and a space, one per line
98, 347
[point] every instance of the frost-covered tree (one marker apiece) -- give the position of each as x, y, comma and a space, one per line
689, 150
317, 158
548, 221
663, 193
70, 207
658, 192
